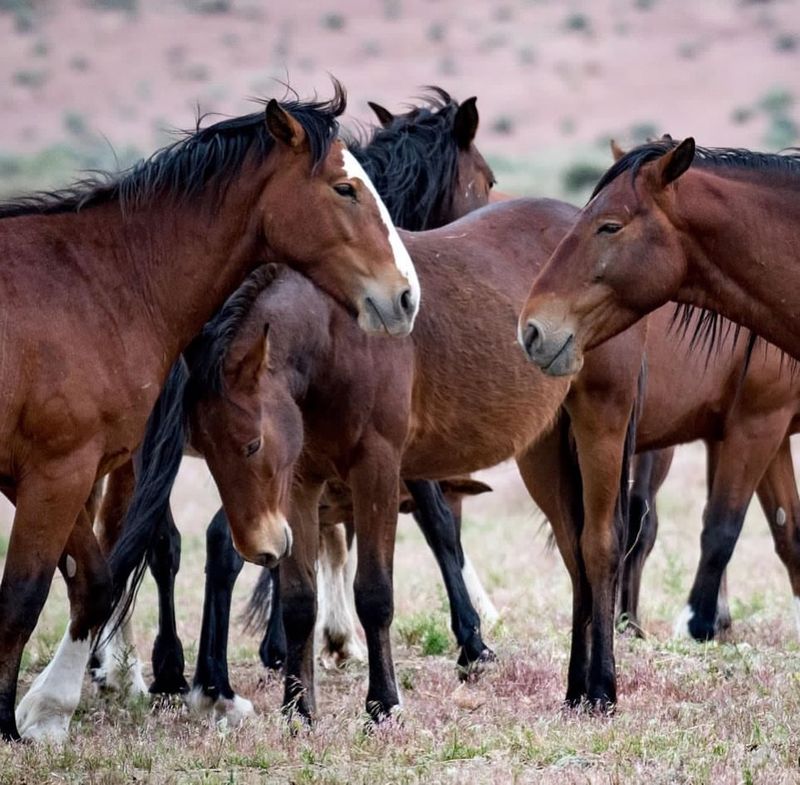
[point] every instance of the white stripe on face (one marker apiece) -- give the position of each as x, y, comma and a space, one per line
402, 258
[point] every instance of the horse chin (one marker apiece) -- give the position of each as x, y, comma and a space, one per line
567, 363
375, 318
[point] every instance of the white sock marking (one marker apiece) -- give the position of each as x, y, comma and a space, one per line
45, 711
480, 599
681, 627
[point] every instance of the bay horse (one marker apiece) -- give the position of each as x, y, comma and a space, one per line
321, 403
425, 165
711, 228
126, 271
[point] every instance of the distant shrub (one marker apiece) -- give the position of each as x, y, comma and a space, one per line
131, 6
580, 176
644, 5
503, 125
741, 114
641, 131
392, 9
436, 32
782, 132
75, 123
208, 6
79, 63
30, 78
777, 100
527, 55
577, 23
333, 21
786, 42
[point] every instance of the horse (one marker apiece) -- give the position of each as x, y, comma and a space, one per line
321, 403
128, 269
709, 228
739, 405
426, 166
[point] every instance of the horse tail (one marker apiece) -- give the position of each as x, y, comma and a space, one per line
623, 509
256, 615
157, 463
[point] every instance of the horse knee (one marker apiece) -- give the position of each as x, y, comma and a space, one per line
374, 601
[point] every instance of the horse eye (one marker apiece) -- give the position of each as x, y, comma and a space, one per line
252, 448
609, 228
345, 189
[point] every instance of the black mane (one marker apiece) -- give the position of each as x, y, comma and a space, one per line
181, 170
205, 356
413, 161
729, 157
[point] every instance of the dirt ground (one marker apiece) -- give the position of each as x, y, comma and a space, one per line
554, 80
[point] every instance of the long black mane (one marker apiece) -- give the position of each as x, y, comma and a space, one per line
787, 163
413, 162
205, 156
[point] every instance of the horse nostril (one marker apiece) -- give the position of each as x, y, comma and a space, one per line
531, 338
406, 302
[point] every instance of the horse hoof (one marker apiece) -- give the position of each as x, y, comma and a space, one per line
338, 652
224, 712
702, 629
472, 669
169, 684
380, 713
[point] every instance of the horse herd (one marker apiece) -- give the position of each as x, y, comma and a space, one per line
244, 295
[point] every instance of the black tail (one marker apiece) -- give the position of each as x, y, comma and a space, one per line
157, 466
624, 499
256, 614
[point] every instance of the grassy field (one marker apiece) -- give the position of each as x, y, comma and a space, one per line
721, 713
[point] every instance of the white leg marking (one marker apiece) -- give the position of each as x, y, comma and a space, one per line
45, 711
780, 517
402, 258
340, 641
796, 607
225, 712
480, 599
120, 668
681, 627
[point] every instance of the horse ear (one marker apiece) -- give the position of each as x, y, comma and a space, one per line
385, 117
672, 165
254, 361
465, 126
616, 151
284, 127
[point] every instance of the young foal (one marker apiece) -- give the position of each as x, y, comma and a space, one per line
127, 271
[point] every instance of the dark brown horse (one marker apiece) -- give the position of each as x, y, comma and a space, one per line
105, 284
318, 402
713, 228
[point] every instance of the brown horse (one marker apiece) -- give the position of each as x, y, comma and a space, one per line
720, 234
745, 412
125, 273
316, 401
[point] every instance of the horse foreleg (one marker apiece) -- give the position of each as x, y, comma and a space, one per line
438, 524
552, 478
50, 523
734, 482
211, 689
374, 482
777, 493
299, 601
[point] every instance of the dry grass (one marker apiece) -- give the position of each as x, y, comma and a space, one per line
690, 713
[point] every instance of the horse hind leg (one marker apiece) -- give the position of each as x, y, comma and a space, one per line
340, 641
211, 689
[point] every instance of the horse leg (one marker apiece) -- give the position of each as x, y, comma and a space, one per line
114, 663
211, 690
552, 477
45, 710
273, 645
299, 600
340, 640
374, 482
779, 499
733, 484
164, 560
438, 524
649, 472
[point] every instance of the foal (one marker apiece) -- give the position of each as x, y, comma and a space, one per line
127, 271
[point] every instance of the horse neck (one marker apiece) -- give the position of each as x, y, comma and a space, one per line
742, 244
185, 260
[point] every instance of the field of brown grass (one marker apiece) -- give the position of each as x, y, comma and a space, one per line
555, 80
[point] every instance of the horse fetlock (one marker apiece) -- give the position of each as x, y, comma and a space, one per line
340, 648
471, 666
223, 712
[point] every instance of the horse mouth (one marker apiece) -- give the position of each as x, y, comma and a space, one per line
549, 367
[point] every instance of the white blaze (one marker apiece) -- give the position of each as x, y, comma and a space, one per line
402, 258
